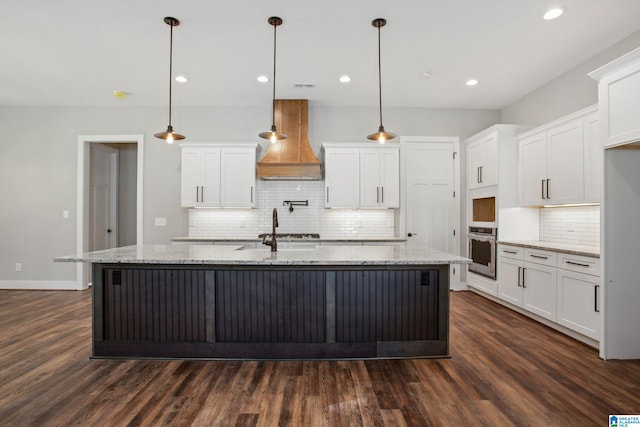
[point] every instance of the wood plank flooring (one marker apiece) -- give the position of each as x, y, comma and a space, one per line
505, 370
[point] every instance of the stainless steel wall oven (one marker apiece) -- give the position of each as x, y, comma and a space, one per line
482, 250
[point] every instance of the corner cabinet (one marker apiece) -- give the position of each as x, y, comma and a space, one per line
218, 175
361, 176
556, 161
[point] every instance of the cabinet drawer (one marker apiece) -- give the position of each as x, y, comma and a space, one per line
579, 264
539, 256
514, 252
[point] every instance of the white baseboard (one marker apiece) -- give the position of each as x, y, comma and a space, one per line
40, 285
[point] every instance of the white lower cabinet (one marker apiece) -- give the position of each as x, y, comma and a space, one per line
556, 286
526, 279
579, 295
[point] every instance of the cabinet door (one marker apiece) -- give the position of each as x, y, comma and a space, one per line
342, 178
238, 177
489, 166
510, 280
565, 163
210, 193
578, 302
593, 152
540, 290
191, 177
474, 161
390, 178
533, 170
370, 178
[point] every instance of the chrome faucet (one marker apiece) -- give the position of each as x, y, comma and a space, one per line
274, 223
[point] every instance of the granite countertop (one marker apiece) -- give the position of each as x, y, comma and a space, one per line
285, 239
230, 255
590, 251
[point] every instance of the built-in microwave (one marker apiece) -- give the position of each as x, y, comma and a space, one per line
482, 250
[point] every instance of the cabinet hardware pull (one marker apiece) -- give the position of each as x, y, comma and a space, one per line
579, 264
481, 177
596, 304
327, 194
382, 194
524, 285
252, 194
202, 193
478, 174
538, 256
509, 252
377, 194
197, 194
519, 273
542, 188
548, 196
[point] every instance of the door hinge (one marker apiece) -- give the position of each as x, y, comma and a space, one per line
454, 155
454, 231
454, 194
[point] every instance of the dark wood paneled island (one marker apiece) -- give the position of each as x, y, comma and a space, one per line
218, 302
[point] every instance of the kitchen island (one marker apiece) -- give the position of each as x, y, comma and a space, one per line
194, 301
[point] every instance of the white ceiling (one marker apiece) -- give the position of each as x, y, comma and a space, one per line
77, 52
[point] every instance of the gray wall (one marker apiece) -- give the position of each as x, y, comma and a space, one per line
38, 165
567, 93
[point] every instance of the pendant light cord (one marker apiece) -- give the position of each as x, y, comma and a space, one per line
170, 69
379, 79
273, 97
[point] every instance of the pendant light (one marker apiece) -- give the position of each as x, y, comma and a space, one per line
381, 136
273, 135
169, 135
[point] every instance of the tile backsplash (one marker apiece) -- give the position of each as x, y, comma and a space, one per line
576, 225
330, 223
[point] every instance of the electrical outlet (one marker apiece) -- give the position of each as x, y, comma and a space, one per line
160, 222
18, 266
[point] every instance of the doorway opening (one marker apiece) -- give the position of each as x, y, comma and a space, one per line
110, 195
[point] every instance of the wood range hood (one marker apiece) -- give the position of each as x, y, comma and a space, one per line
291, 158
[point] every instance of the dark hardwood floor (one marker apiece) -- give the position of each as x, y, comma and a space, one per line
505, 370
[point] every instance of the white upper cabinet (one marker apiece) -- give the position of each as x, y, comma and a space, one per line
361, 176
218, 175
558, 163
618, 94
200, 176
593, 152
482, 162
380, 177
342, 177
237, 177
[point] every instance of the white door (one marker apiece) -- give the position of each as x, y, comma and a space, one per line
103, 193
430, 203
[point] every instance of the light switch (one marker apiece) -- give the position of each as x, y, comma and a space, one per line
65, 214
161, 222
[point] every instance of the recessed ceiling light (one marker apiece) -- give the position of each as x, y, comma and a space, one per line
263, 79
472, 82
553, 13
345, 79
182, 79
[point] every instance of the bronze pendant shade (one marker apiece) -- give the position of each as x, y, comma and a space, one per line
381, 136
273, 135
169, 135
